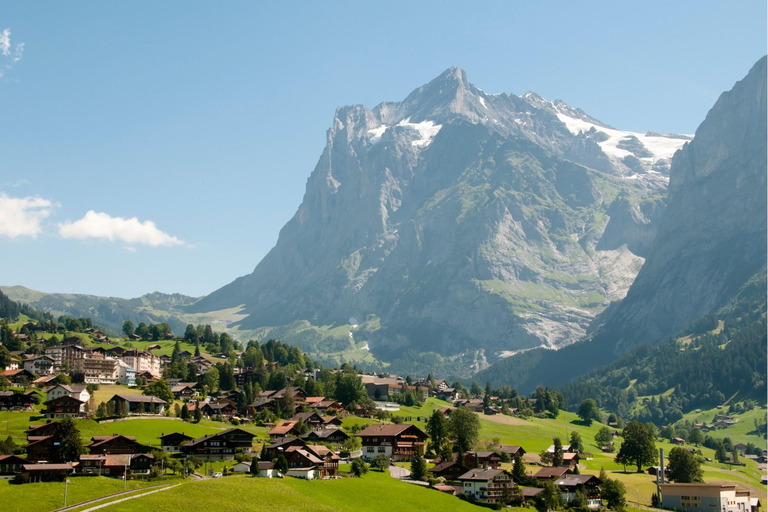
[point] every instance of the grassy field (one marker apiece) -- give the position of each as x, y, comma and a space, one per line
50, 495
740, 432
145, 431
374, 492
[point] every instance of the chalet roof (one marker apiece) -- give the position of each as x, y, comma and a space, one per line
50, 467
266, 465
576, 480
387, 430
282, 441
8, 459
552, 472
304, 416
551, 448
182, 434
123, 459
322, 433
217, 434
140, 399
530, 492
311, 457
445, 465
482, 475
510, 449
282, 428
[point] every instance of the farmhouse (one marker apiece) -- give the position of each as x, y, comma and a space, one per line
64, 407
171, 442
450, 470
398, 442
326, 435
39, 448
569, 485
10, 400
279, 446
45, 472
139, 404
487, 485
552, 473
10, 466
115, 444
220, 446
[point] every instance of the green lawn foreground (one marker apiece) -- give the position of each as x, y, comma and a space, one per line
46, 496
373, 492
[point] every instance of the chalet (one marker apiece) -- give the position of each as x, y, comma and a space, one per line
324, 406
11, 465
220, 446
552, 473
11, 401
115, 445
185, 354
116, 465
284, 428
566, 448
298, 394
678, 441
326, 435
569, 485
173, 441
302, 463
487, 485
481, 460
80, 392
656, 471
397, 442
138, 404
184, 390
511, 450
571, 460
313, 419
450, 470
331, 421
39, 448
448, 394
45, 472
44, 381
64, 407
19, 376
279, 446
529, 493
223, 408
46, 429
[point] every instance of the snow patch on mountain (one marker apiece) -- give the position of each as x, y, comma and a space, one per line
427, 131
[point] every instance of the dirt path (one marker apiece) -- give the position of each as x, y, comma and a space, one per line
504, 420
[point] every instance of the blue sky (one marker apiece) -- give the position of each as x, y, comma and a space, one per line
203, 122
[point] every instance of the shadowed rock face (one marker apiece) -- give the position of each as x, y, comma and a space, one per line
459, 220
712, 238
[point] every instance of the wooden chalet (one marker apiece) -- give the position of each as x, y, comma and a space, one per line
11, 465
220, 446
318, 458
39, 448
552, 473
569, 485
313, 419
396, 442
224, 408
64, 407
450, 470
115, 445
19, 376
139, 404
46, 429
173, 441
184, 390
284, 429
481, 460
31, 473
326, 435
12, 401
487, 485
511, 450
280, 445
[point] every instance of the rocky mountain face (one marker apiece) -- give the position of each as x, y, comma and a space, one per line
710, 242
458, 220
712, 238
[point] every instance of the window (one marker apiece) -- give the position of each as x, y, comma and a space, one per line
369, 449
381, 449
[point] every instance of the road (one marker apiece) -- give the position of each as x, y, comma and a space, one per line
398, 472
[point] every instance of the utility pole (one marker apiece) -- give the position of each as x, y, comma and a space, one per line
66, 481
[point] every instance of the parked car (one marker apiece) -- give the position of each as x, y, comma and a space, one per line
217, 474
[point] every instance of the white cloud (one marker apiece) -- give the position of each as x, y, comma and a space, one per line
5, 42
21, 216
9, 54
102, 225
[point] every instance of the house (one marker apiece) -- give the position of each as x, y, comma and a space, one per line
115, 445
46, 429
313, 419
481, 460
39, 448
11, 401
138, 404
75, 391
530, 493
283, 429
39, 365
19, 376
571, 460
266, 469
678, 441
396, 442
173, 441
11, 465
223, 408
303, 463
45, 380
330, 465
324, 406
552, 473
656, 471
326, 435
566, 448
511, 450
279, 446
487, 485
699, 497
116, 465
31, 473
450, 470
220, 446
64, 407
569, 485
184, 390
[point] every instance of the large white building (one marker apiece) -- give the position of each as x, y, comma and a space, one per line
705, 497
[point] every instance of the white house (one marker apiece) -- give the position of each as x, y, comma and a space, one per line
79, 392
267, 470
